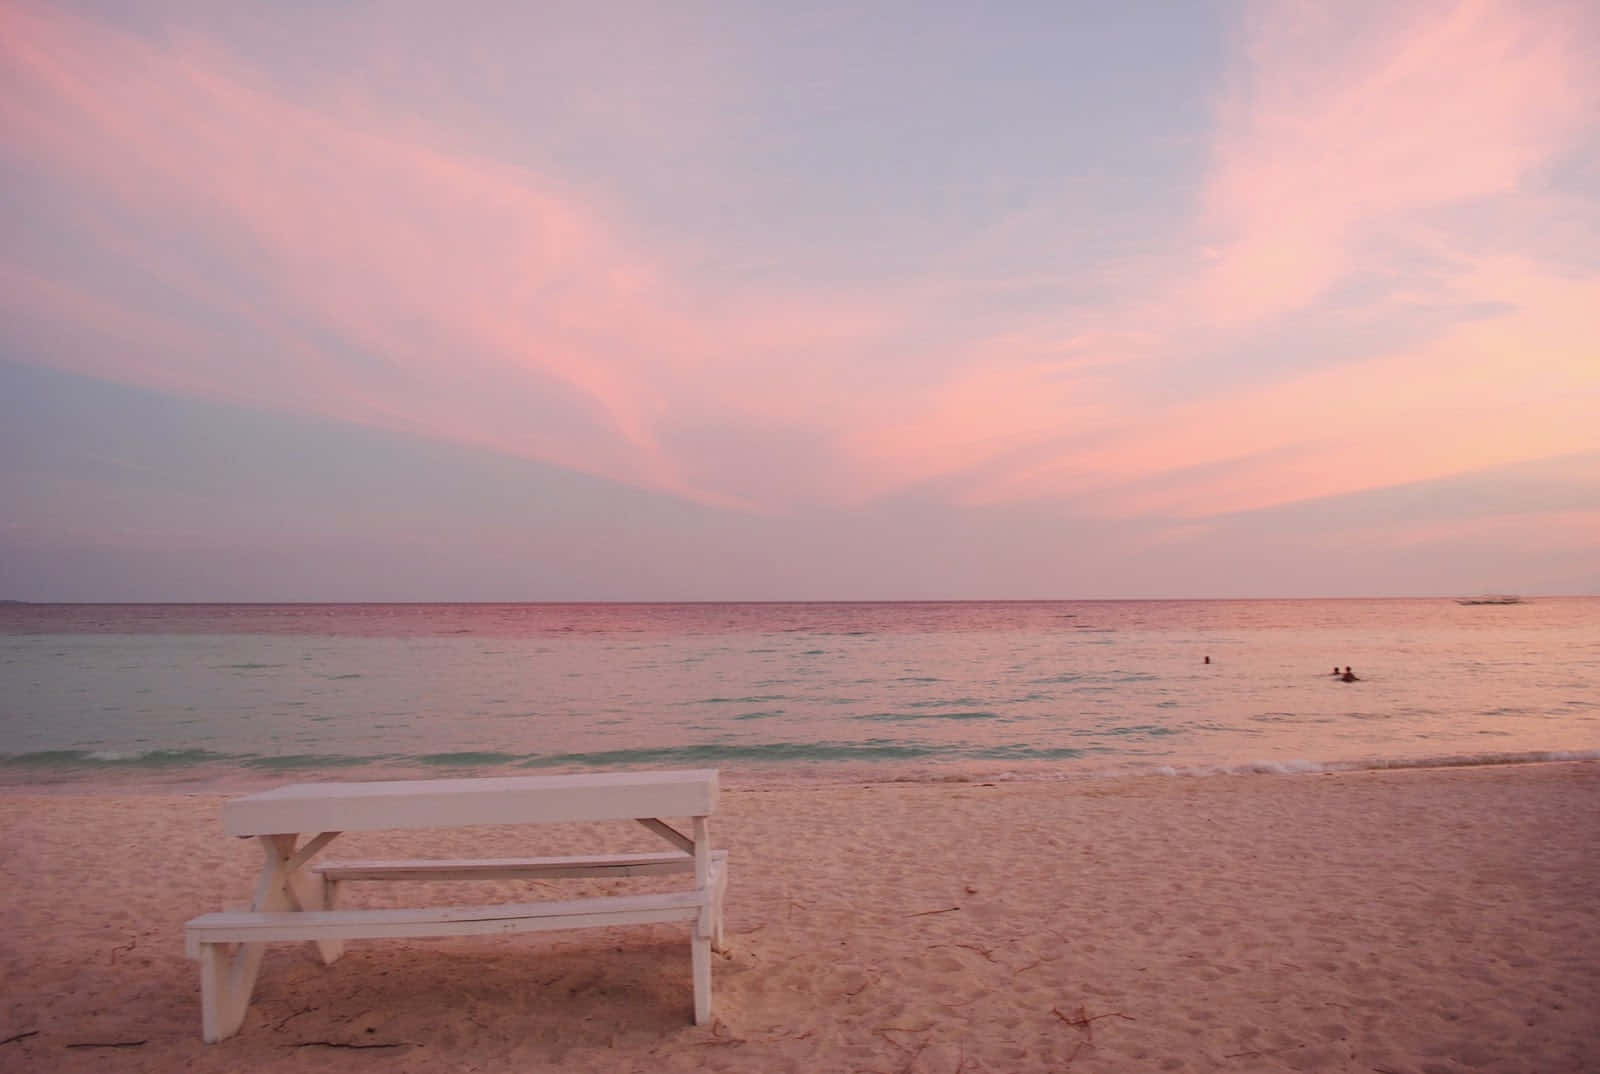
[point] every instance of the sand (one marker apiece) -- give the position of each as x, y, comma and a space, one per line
1419, 921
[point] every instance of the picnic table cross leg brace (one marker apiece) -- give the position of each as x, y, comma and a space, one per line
698, 847
227, 981
708, 928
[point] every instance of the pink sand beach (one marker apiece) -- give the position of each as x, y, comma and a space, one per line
1411, 922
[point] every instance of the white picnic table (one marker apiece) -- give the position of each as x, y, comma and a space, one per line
296, 900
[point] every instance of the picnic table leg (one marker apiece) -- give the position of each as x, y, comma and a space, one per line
227, 983
302, 891
218, 1018
719, 888
308, 892
705, 926
700, 945
329, 898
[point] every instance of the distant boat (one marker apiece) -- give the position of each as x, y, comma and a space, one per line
1490, 598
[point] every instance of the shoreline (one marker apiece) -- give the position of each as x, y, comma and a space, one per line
124, 777
1419, 921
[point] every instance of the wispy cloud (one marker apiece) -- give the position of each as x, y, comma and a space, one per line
321, 252
1343, 124
1349, 142
378, 278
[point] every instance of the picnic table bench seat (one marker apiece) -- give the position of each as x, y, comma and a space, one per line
252, 926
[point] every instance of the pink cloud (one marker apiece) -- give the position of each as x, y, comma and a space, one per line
314, 202
1344, 119
493, 305
1517, 386
1556, 532
1344, 134
379, 276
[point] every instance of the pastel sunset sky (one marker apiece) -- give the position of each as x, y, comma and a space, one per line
405, 300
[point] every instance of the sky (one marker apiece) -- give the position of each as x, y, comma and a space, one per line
637, 301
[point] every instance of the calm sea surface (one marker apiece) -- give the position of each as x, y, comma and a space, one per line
778, 692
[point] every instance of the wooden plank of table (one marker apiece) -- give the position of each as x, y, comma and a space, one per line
596, 865
448, 803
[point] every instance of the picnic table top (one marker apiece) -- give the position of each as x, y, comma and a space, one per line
439, 803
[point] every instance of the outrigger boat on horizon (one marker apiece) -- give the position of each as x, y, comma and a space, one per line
1491, 598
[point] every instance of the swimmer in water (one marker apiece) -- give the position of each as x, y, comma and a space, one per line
1349, 676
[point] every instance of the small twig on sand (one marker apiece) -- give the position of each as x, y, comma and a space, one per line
925, 913
107, 1044
1085, 1021
753, 1040
963, 1003
1265, 1051
988, 954
342, 1044
884, 1031
292, 1017
20, 1036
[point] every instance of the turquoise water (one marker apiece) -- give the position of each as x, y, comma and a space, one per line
792, 690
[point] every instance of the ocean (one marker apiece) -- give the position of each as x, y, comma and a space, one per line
206, 694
